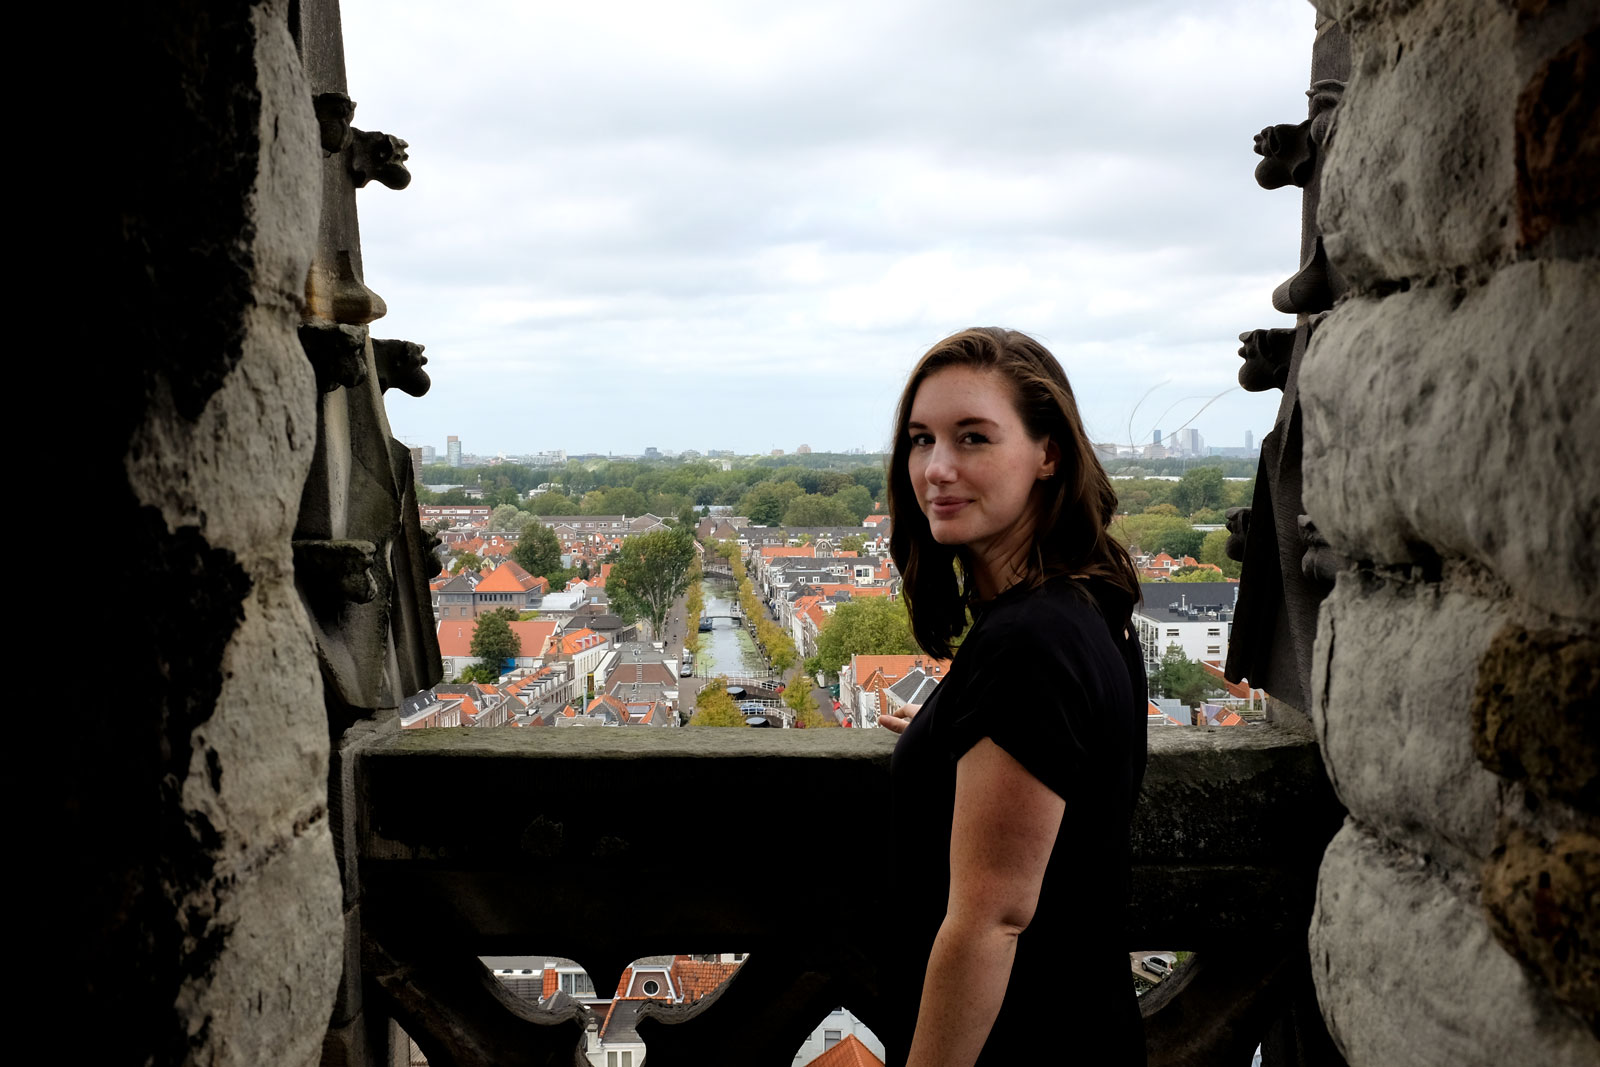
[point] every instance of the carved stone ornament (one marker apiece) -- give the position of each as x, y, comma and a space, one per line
1310, 289
1289, 155
338, 353
336, 572
400, 366
380, 157
1324, 97
1266, 359
1319, 563
1238, 531
334, 112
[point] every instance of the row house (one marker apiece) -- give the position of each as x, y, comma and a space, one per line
631, 712
454, 512
863, 682
587, 523
584, 649
551, 685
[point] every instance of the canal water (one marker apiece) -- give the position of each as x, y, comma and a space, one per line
728, 648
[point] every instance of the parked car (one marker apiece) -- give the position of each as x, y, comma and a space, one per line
1160, 964
685, 671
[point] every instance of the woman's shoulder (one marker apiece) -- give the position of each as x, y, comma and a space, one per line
1042, 613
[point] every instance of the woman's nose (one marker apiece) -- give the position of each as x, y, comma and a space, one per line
940, 470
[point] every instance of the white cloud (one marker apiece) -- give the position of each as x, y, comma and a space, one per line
715, 224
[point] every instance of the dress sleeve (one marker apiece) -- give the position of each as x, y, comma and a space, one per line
1030, 692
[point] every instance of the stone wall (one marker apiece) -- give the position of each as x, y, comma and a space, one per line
1452, 429
202, 893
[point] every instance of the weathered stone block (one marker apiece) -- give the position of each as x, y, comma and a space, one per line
1536, 712
1544, 900
277, 927
1392, 691
1464, 423
1420, 173
1407, 972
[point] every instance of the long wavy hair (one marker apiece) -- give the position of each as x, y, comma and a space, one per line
1071, 531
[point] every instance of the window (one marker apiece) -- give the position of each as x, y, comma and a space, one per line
577, 985
651, 988
1214, 650
1214, 632
831, 1038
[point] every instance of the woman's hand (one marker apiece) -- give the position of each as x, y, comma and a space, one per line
896, 722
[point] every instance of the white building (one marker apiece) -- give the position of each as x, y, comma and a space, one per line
1195, 616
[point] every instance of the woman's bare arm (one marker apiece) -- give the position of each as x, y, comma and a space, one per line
1000, 841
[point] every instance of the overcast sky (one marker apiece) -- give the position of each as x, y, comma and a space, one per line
737, 225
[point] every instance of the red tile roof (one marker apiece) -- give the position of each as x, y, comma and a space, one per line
694, 979
508, 578
772, 551
579, 640
847, 1053
455, 636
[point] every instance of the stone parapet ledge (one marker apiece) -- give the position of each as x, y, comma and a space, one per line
704, 830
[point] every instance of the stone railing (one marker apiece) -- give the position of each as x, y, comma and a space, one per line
608, 845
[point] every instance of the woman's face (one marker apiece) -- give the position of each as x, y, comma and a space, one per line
974, 467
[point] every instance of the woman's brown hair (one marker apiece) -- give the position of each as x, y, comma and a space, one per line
1071, 534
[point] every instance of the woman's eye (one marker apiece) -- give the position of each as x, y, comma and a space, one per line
920, 439
976, 439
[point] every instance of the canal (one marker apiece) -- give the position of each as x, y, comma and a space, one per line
727, 648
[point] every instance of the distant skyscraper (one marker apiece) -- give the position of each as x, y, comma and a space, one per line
803, 450
1190, 443
1249, 441
429, 455
452, 450
1156, 440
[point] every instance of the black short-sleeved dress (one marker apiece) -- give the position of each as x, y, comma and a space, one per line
1042, 673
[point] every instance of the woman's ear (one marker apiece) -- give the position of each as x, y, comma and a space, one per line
1051, 460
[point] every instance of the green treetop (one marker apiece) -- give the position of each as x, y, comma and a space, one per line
870, 626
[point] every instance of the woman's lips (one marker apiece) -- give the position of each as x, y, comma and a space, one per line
945, 507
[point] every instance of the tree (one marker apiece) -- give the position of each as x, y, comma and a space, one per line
508, 519
1201, 487
538, 551
872, 626
800, 700
714, 707
481, 673
1214, 549
857, 501
467, 561
494, 641
764, 504
1196, 574
814, 509
852, 543
651, 572
1181, 677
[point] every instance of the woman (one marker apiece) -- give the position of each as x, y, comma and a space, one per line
1014, 784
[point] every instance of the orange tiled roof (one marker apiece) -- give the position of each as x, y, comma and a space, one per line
848, 1053
854, 590
578, 640
455, 636
695, 979
772, 551
1235, 689
895, 668
508, 578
